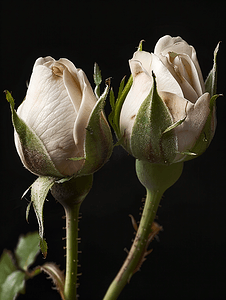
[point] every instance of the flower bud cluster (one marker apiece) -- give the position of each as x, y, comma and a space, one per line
165, 114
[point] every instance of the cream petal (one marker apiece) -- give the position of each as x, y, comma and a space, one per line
172, 44
165, 80
196, 63
43, 60
139, 91
176, 105
188, 91
72, 85
189, 131
88, 102
145, 58
49, 111
188, 70
71, 67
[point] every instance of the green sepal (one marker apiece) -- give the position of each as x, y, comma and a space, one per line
39, 191
211, 80
140, 47
98, 140
97, 80
36, 157
151, 139
187, 153
56, 275
76, 158
207, 133
174, 125
121, 86
27, 249
116, 106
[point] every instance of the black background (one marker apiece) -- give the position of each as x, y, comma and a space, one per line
189, 261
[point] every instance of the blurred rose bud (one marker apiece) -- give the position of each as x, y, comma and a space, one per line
60, 127
168, 114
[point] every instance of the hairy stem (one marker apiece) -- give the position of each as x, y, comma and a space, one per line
72, 215
138, 248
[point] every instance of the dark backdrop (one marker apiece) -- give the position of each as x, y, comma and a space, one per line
189, 260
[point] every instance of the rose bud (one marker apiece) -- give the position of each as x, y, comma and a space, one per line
60, 127
168, 115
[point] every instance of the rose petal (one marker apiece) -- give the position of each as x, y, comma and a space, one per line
88, 102
176, 105
189, 131
139, 91
43, 60
49, 111
165, 80
172, 44
188, 70
188, 92
72, 85
196, 63
145, 58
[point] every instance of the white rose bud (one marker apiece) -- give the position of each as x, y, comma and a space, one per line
168, 114
64, 131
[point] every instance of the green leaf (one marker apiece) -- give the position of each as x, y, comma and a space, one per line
13, 285
35, 154
97, 79
27, 250
211, 81
153, 119
7, 266
39, 191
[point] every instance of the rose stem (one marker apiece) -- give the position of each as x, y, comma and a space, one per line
72, 216
138, 248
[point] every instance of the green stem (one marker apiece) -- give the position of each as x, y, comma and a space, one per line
71, 193
138, 248
156, 179
72, 215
